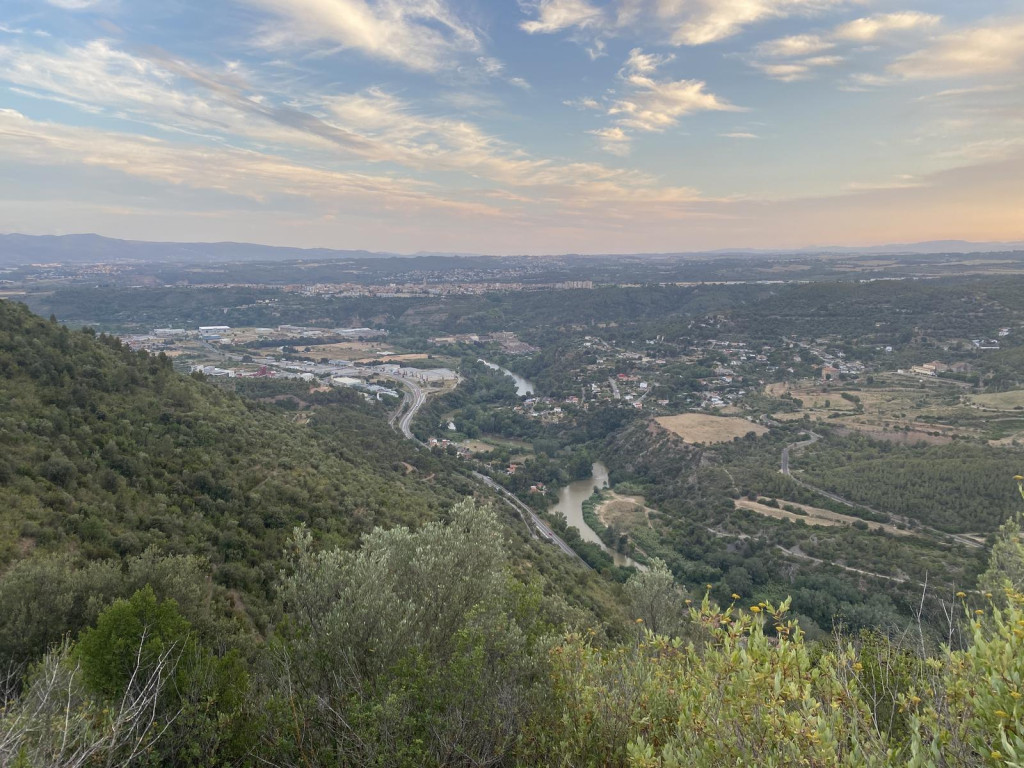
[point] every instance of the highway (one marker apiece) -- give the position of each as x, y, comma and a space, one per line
539, 525
413, 400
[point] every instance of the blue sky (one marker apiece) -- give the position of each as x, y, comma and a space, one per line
538, 126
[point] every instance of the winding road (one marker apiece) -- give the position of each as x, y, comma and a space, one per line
414, 399
784, 468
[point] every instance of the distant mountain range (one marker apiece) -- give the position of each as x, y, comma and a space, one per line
928, 247
89, 249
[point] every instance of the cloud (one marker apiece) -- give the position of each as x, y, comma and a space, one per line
864, 30
708, 21
165, 93
366, 128
794, 45
613, 140
495, 68
655, 105
648, 104
267, 179
866, 81
253, 175
993, 49
74, 5
902, 181
418, 34
739, 135
870, 28
792, 71
427, 143
676, 22
645, 63
559, 15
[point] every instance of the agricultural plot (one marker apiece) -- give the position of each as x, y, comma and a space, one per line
1005, 401
904, 409
813, 516
703, 428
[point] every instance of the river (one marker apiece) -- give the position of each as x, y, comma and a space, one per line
570, 504
523, 387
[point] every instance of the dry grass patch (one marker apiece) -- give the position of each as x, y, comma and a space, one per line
1002, 400
703, 428
814, 516
623, 513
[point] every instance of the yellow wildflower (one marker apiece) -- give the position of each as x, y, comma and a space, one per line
755, 609
735, 596
961, 594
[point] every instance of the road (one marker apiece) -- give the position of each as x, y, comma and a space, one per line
615, 389
539, 525
784, 468
413, 400
785, 451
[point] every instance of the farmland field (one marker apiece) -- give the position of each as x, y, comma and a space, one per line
702, 428
1002, 400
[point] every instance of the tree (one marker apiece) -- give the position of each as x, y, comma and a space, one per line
131, 634
418, 649
1006, 563
656, 599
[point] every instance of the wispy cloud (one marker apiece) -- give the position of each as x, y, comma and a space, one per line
254, 175
794, 45
902, 181
495, 68
559, 15
708, 21
646, 104
418, 34
871, 28
257, 130
800, 69
794, 57
675, 22
75, 5
992, 49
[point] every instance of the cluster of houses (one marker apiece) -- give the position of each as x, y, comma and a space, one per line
936, 367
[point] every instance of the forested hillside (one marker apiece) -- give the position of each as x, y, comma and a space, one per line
827, 571
111, 462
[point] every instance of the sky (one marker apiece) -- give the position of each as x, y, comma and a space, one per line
505, 127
